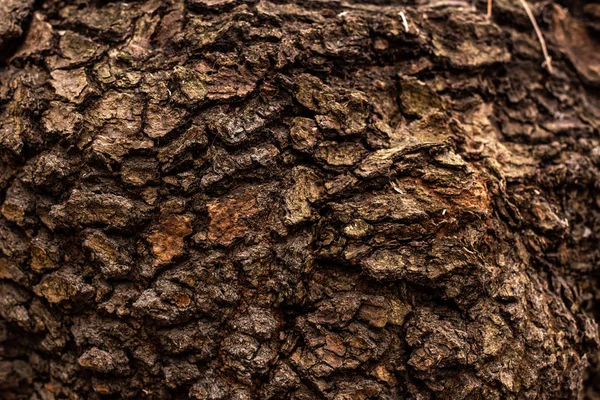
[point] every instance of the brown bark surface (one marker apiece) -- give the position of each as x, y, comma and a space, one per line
223, 199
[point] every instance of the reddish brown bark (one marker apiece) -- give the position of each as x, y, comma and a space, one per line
224, 199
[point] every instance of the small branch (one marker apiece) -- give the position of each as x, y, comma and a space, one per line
489, 10
548, 61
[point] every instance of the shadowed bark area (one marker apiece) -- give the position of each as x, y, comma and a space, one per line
220, 199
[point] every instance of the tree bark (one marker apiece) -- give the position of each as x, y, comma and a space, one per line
223, 199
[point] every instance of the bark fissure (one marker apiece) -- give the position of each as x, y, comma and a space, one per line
223, 199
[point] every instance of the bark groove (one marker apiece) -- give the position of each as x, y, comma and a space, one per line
223, 199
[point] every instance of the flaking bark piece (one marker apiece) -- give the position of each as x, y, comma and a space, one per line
12, 14
73, 85
162, 119
75, 50
103, 361
228, 218
89, 209
113, 258
64, 287
304, 134
167, 239
306, 189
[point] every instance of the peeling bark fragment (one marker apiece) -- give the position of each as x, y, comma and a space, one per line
439, 344
112, 20
10, 271
578, 43
139, 47
167, 239
304, 134
11, 129
12, 14
162, 119
18, 203
344, 112
120, 117
191, 83
474, 51
249, 163
394, 206
12, 243
417, 264
308, 92
547, 218
114, 142
198, 338
379, 162
113, 258
385, 264
258, 322
45, 255
283, 379
201, 32
12, 304
228, 218
241, 346
237, 126
182, 149
248, 356
139, 171
84, 209
103, 361
227, 84
61, 118
213, 5
375, 311
306, 190
337, 311
326, 352
38, 38
51, 171
217, 388
287, 200
166, 303
417, 98
433, 129
118, 106
72, 84
344, 154
113, 72
64, 286
180, 372
74, 50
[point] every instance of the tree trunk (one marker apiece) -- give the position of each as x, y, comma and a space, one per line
317, 199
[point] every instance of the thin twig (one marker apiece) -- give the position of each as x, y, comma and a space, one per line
404, 21
489, 13
548, 61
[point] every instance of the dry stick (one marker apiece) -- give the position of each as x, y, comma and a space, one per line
404, 21
489, 13
539, 35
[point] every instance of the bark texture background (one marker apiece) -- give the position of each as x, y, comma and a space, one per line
298, 200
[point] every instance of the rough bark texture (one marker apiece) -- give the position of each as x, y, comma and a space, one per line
298, 200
